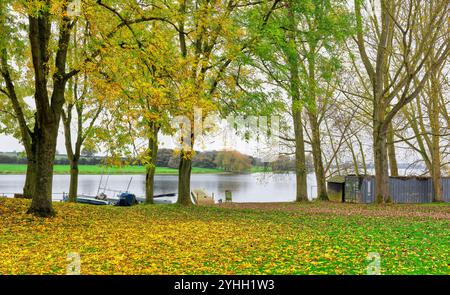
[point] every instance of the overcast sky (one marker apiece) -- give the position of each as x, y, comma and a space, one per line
10, 144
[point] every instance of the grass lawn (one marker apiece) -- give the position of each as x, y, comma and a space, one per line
258, 169
97, 169
315, 238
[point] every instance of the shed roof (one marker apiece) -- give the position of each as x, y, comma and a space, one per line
337, 179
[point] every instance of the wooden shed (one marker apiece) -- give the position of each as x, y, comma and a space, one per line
336, 188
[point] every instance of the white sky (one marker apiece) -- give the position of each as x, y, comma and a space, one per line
10, 144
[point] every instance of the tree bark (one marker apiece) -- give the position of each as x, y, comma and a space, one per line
184, 179
315, 127
381, 163
435, 139
72, 154
41, 204
151, 165
317, 157
73, 187
30, 179
149, 184
300, 159
393, 167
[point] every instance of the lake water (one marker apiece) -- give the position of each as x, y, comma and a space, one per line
257, 187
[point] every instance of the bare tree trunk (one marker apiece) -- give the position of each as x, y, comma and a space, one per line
72, 155
317, 157
297, 109
381, 164
41, 204
435, 139
436, 175
334, 149
391, 151
300, 159
151, 165
184, 179
149, 184
30, 179
73, 187
315, 129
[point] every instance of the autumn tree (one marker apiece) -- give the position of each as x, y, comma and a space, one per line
141, 62
324, 27
16, 85
210, 39
86, 109
300, 54
233, 161
49, 57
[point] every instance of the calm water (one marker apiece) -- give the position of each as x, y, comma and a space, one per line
258, 187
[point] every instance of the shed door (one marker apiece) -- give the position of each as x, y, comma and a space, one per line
351, 190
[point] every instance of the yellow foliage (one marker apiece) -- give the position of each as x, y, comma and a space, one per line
169, 239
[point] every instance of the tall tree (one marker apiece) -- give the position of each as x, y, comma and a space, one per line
141, 61
393, 30
80, 101
87, 109
306, 36
48, 105
424, 132
50, 77
324, 25
210, 39
16, 85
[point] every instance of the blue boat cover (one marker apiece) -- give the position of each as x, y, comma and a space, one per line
126, 199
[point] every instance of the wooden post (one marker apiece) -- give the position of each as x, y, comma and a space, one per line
228, 196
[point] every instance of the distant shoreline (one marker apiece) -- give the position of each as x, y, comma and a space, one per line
20, 169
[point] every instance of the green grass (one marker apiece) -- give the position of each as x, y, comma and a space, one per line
97, 169
257, 169
312, 238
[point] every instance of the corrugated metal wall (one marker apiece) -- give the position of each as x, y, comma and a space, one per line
411, 190
368, 190
401, 189
446, 188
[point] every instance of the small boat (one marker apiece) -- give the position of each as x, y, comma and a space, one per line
122, 198
102, 199
92, 201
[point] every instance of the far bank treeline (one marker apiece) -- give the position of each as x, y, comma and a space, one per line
352, 82
228, 161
